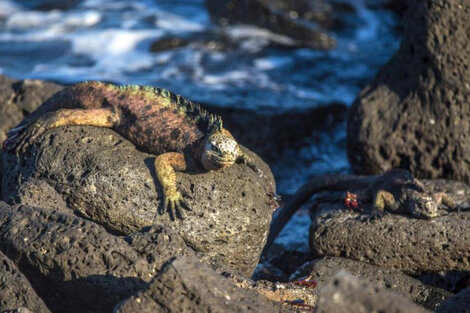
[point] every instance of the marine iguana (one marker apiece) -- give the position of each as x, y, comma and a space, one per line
156, 120
395, 190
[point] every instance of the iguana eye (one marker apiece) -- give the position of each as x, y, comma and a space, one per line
215, 148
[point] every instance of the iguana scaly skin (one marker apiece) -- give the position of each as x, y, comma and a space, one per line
395, 190
155, 120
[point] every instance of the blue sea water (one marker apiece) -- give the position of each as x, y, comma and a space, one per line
111, 40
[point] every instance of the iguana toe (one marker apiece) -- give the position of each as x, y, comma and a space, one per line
173, 202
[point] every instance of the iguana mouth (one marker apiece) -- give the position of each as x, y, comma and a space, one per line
221, 160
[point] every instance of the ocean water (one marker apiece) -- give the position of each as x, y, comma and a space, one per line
111, 40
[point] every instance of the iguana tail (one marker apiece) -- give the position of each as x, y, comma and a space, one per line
337, 182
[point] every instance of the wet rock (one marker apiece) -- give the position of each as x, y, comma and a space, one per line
16, 291
18, 99
270, 15
457, 304
324, 268
414, 115
345, 293
184, 285
411, 245
71, 263
48, 5
101, 176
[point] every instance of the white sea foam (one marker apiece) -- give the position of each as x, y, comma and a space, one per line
7, 8
270, 63
111, 41
172, 22
52, 19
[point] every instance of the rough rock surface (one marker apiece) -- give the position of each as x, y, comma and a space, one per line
460, 303
397, 241
101, 176
71, 263
324, 268
18, 99
184, 285
272, 16
158, 245
345, 293
415, 113
15, 289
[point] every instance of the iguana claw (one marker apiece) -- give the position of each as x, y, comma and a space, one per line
245, 159
372, 216
172, 203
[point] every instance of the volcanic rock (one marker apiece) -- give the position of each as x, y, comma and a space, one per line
71, 263
184, 285
415, 114
345, 293
101, 176
15, 289
18, 99
323, 269
411, 245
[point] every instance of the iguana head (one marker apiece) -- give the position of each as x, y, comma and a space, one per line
423, 206
219, 150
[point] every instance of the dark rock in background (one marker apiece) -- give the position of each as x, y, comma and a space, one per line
325, 268
345, 293
275, 17
415, 114
48, 5
269, 134
71, 263
185, 285
460, 303
101, 176
15, 289
411, 245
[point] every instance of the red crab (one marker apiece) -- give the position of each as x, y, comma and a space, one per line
351, 202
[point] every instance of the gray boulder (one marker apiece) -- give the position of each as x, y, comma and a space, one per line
100, 175
15, 289
345, 293
72, 263
408, 244
460, 303
415, 114
18, 99
185, 285
323, 269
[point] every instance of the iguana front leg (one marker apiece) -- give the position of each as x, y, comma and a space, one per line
382, 200
166, 164
442, 198
21, 138
245, 159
